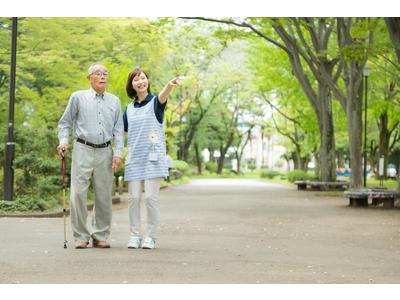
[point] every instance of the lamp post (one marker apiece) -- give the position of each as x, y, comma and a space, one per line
8, 181
365, 73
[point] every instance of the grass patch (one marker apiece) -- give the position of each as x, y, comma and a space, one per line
330, 193
389, 183
227, 174
182, 180
256, 174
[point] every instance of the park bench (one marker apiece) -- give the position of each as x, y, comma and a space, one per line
378, 195
322, 185
301, 184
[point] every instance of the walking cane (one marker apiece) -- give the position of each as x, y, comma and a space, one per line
64, 207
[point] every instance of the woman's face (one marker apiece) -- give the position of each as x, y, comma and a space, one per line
140, 83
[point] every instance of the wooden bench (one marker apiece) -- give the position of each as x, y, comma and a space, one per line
360, 197
322, 185
301, 184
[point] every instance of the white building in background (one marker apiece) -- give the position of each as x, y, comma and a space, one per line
206, 155
265, 151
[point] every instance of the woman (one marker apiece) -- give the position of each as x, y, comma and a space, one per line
146, 159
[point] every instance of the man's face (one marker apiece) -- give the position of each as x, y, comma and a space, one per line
99, 78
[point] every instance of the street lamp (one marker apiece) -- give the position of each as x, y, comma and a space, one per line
8, 181
365, 73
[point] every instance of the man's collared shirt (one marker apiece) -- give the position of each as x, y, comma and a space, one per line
95, 118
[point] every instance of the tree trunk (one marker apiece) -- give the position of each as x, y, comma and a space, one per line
322, 105
221, 160
374, 155
354, 125
317, 164
191, 130
180, 154
352, 100
384, 138
185, 150
305, 160
239, 165
393, 25
240, 148
340, 157
297, 160
327, 137
212, 157
198, 158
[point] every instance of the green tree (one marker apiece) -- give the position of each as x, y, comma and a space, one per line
383, 105
52, 60
291, 114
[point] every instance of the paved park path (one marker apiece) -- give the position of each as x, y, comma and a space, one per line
218, 231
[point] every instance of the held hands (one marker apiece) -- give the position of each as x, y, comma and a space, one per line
62, 150
116, 163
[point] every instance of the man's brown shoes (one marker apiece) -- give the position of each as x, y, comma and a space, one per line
81, 245
100, 244
96, 244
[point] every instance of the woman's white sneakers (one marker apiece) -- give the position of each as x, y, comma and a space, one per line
134, 243
147, 243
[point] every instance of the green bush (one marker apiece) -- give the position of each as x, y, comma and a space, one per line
292, 176
279, 163
205, 172
251, 166
1, 182
211, 166
37, 170
226, 172
313, 176
181, 166
267, 173
28, 204
175, 174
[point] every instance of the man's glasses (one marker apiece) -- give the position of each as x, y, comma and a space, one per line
99, 74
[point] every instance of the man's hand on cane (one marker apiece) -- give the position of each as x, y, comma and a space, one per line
62, 150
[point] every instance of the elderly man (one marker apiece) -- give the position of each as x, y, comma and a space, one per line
96, 118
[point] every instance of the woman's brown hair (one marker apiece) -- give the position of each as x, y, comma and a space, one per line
129, 89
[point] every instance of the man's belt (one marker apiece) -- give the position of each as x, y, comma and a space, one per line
93, 145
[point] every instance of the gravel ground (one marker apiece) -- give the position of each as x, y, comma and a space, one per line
218, 231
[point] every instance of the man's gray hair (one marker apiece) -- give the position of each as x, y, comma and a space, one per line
92, 67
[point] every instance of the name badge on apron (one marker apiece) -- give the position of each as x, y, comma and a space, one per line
153, 156
154, 140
